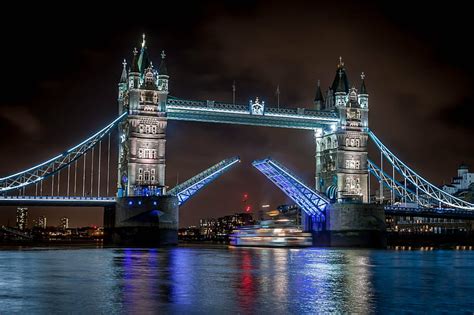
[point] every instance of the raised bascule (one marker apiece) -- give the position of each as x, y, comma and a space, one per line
340, 210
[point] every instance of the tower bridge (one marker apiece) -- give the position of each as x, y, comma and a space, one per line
142, 209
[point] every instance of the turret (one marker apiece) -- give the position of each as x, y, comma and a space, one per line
134, 76
363, 96
163, 79
163, 76
337, 92
340, 92
319, 99
143, 60
122, 86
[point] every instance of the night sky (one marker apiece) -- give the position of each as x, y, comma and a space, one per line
61, 66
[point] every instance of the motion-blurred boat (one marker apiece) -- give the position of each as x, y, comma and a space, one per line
271, 233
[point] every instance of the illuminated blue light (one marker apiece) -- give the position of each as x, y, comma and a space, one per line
154, 203
130, 203
187, 189
139, 202
313, 203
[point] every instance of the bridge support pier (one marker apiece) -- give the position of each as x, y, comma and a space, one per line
353, 225
142, 221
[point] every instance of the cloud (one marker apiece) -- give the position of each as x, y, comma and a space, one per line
458, 114
22, 118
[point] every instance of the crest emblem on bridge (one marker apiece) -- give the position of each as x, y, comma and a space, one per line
257, 107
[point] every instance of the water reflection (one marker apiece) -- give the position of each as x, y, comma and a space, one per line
235, 280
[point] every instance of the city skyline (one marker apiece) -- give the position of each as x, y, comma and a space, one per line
419, 100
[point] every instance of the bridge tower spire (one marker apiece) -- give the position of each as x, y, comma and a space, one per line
341, 151
319, 99
143, 132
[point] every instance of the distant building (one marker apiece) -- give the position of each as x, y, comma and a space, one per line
292, 212
64, 223
211, 229
207, 228
460, 182
41, 223
22, 218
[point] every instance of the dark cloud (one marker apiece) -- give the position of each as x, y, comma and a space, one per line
22, 119
459, 115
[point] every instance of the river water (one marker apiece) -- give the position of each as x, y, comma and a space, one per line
200, 280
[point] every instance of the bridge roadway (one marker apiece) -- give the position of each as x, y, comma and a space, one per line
56, 201
447, 213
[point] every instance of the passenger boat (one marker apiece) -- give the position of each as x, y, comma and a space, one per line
271, 233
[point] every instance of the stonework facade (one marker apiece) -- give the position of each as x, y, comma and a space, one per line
341, 151
143, 92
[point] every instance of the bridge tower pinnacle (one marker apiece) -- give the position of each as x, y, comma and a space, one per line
341, 151
142, 93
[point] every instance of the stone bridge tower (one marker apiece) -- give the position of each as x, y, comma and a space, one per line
341, 151
143, 92
143, 214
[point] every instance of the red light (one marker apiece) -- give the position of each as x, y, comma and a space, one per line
248, 208
246, 196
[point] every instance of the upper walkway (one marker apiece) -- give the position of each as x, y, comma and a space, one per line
211, 111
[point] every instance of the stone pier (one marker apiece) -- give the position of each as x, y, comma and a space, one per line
142, 221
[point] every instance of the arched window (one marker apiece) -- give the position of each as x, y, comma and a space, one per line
147, 176
140, 128
153, 128
357, 142
153, 171
140, 153
147, 128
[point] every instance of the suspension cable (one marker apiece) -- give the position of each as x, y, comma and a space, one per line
84, 176
98, 179
108, 165
92, 170
36, 189
392, 193
405, 190
75, 177
41, 188
59, 178
381, 184
52, 184
68, 175
368, 189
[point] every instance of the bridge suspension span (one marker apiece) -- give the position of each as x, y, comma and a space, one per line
48, 169
422, 192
